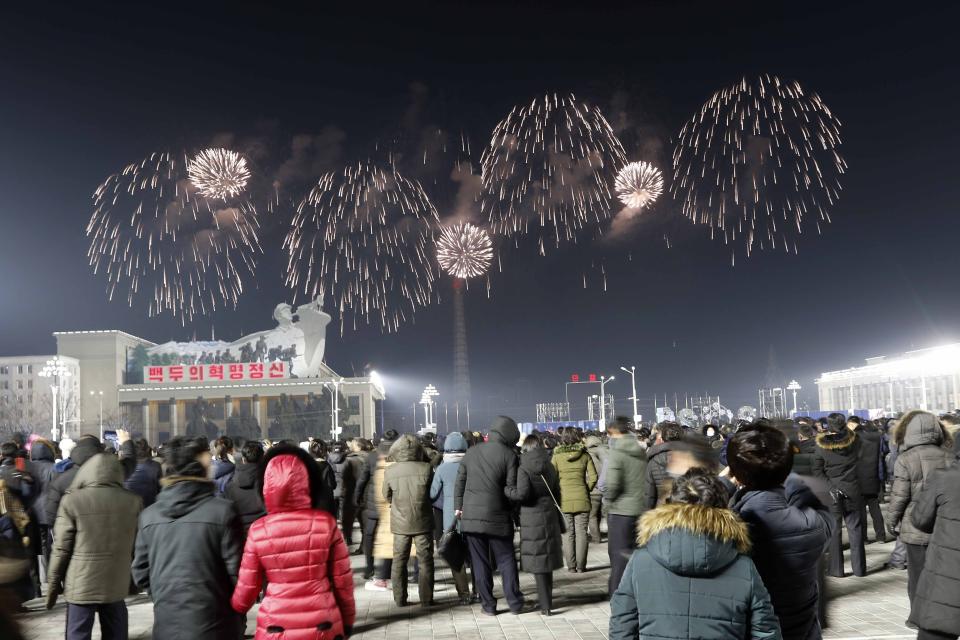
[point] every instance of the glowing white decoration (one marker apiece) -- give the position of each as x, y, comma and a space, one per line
219, 173
639, 184
464, 250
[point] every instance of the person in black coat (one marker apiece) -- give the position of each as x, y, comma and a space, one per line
43, 460
789, 526
658, 480
868, 473
243, 490
806, 447
487, 472
835, 462
541, 547
145, 479
344, 473
936, 604
188, 550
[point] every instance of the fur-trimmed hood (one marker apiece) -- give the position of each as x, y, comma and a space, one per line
920, 427
693, 540
570, 451
836, 441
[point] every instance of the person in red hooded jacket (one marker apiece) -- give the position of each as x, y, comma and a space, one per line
300, 550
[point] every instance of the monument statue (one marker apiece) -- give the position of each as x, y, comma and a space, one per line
299, 339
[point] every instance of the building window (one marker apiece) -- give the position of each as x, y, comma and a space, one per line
30, 384
353, 403
246, 407
29, 368
4, 370
19, 384
19, 368
163, 412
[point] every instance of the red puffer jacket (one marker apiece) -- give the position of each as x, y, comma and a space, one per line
307, 565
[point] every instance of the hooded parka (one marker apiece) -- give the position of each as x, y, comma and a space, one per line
486, 470
445, 477
187, 555
406, 486
301, 553
541, 548
936, 604
93, 536
691, 578
245, 495
42, 463
924, 447
578, 477
836, 462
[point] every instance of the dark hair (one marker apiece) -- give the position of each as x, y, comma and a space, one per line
570, 437
697, 486
855, 420
532, 441
760, 457
318, 449
366, 445
390, 434
339, 447
142, 449
251, 452
620, 425
807, 430
9, 449
670, 431
181, 453
836, 423
643, 433
222, 446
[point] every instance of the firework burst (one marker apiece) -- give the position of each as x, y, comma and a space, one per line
362, 240
153, 234
639, 184
219, 173
464, 250
759, 163
550, 164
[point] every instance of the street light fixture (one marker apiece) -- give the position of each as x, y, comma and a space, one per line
633, 388
603, 401
426, 399
794, 386
54, 368
100, 395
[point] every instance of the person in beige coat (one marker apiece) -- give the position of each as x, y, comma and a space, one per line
94, 533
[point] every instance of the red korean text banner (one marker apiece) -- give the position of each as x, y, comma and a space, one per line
236, 371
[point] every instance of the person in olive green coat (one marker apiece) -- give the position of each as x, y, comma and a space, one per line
624, 486
406, 486
578, 476
93, 540
691, 576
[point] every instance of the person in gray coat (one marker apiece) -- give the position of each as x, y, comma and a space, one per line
444, 480
924, 446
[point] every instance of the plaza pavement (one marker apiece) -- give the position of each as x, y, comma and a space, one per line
860, 608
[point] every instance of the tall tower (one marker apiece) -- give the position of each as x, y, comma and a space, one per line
461, 361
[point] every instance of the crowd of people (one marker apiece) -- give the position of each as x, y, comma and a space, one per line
720, 532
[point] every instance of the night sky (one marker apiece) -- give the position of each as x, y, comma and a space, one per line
85, 91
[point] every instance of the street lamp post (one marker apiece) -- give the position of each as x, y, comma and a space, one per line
633, 388
603, 402
100, 395
335, 408
56, 369
426, 399
794, 386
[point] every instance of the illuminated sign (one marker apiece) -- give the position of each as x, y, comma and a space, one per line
202, 372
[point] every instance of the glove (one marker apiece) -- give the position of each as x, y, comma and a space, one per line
347, 631
892, 530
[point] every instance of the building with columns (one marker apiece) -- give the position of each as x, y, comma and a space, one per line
926, 379
156, 397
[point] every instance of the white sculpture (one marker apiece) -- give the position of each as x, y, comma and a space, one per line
299, 338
